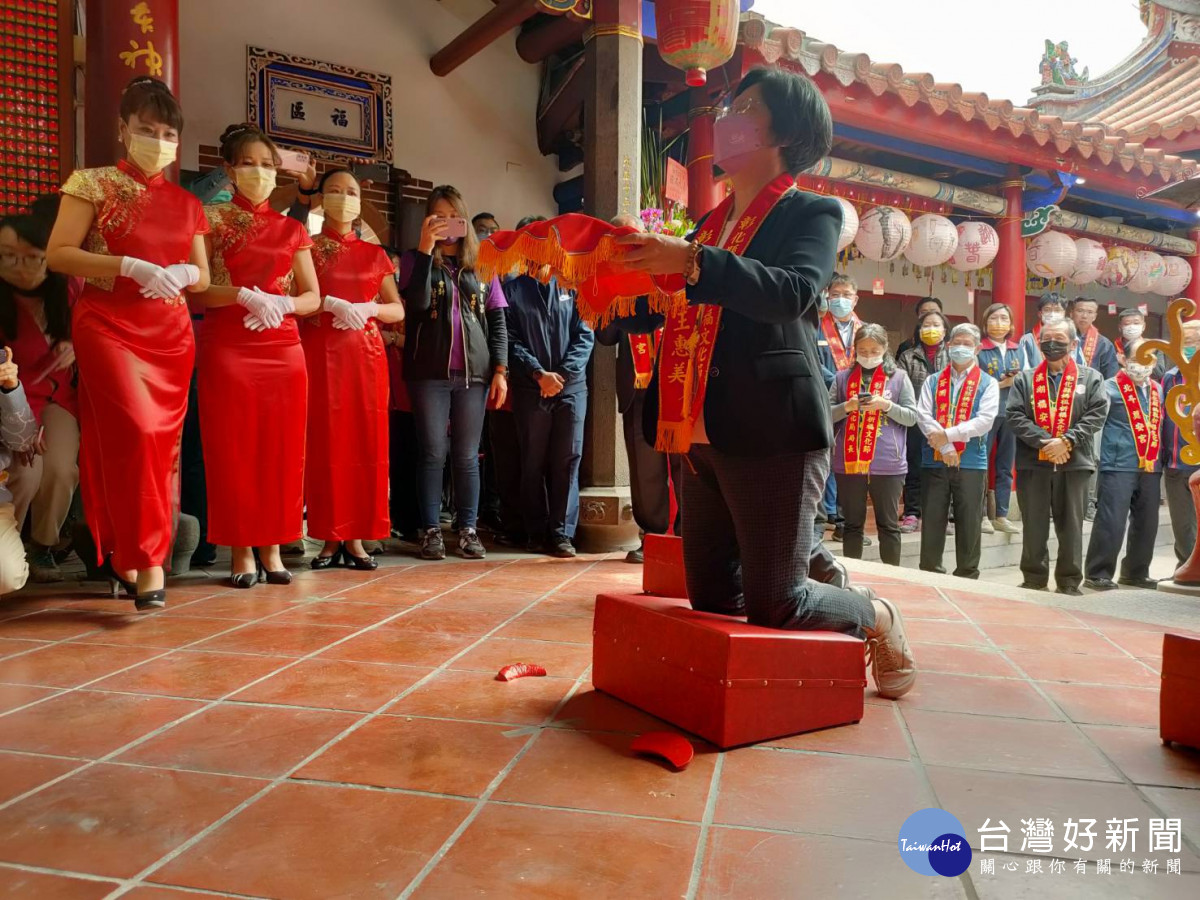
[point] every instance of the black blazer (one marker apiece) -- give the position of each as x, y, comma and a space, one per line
766, 394
1088, 412
615, 334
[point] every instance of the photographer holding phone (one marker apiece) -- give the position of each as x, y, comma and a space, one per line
455, 361
873, 406
1000, 356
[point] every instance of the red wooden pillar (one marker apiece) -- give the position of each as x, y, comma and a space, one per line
1193, 288
703, 191
124, 40
1008, 271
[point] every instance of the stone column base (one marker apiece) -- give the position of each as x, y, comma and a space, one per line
1187, 590
606, 520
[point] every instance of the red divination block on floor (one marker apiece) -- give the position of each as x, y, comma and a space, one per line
662, 569
717, 677
1179, 697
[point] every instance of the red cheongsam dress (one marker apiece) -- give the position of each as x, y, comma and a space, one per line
346, 476
135, 358
253, 387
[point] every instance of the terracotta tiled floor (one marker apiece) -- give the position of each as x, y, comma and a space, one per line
344, 737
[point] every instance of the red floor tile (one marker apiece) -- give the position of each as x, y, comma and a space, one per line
20, 773
1051, 640
314, 841
537, 626
258, 741
851, 796
962, 634
577, 607
1098, 705
156, 631
432, 755
51, 625
521, 852
508, 602
116, 820
185, 673
88, 724
16, 884
334, 612
878, 734
10, 647
1005, 745
162, 893
15, 695
591, 710
277, 640
984, 696
1178, 803
239, 605
1044, 665
742, 864
559, 770
387, 644
451, 621
1137, 643
560, 660
335, 684
70, 665
933, 607
993, 611
961, 660
476, 696
1140, 754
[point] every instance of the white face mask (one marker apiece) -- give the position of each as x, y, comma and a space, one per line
1052, 318
1132, 332
870, 362
341, 207
255, 183
150, 154
1138, 373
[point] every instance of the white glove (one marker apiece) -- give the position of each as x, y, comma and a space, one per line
267, 309
154, 280
185, 273
356, 316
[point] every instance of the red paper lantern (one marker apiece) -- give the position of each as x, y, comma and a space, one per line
696, 35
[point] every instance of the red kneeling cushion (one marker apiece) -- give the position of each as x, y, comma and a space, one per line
662, 566
1179, 698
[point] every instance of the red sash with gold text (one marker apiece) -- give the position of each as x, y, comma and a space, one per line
643, 348
1090, 340
691, 330
1054, 416
862, 428
1146, 435
843, 356
962, 409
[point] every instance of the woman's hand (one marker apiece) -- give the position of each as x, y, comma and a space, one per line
433, 231
356, 316
851, 404
8, 372
64, 356
656, 254
877, 404
308, 178
155, 281
498, 392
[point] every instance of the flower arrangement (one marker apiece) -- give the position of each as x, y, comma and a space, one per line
673, 221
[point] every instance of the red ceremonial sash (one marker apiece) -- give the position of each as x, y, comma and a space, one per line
1090, 340
1146, 435
643, 349
691, 330
862, 428
843, 356
1054, 417
962, 409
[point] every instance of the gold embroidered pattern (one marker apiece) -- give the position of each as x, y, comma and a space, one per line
232, 227
325, 251
120, 203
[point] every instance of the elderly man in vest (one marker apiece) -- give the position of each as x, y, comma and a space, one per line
955, 412
1055, 410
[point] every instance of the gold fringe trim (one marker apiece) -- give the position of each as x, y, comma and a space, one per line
858, 468
674, 437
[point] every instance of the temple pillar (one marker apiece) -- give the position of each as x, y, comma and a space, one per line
1008, 270
612, 180
704, 193
124, 40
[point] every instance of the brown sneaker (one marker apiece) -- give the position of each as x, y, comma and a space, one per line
892, 663
469, 545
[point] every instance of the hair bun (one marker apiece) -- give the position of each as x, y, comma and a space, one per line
146, 81
234, 131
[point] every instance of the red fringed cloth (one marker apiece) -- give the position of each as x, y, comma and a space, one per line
583, 254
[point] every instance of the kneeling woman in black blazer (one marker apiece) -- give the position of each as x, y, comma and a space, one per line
739, 389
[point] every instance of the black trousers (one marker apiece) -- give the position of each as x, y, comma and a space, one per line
912, 481
748, 541
1043, 492
505, 455
193, 497
940, 487
404, 456
1124, 501
648, 470
1183, 512
884, 491
551, 435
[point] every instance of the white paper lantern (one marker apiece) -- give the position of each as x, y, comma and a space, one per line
1090, 260
1121, 267
934, 240
849, 224
1051, 255
1177, 275
1150, 269
978, 245
883, 233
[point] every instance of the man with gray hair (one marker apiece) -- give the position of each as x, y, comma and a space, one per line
955, 413
1055, 410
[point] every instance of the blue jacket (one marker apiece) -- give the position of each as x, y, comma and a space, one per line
1118, 452
546, 334
998, 361
1173, 441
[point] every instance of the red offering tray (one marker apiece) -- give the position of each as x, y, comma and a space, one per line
1179, 697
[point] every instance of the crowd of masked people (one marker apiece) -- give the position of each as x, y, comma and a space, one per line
934, 433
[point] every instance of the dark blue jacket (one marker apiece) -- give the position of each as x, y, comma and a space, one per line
1118, 451
546, 334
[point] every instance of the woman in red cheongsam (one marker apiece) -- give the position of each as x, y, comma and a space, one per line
138, 240
346, 471
253, 388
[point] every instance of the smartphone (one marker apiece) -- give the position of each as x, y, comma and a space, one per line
293, 161
456, 229
865, 397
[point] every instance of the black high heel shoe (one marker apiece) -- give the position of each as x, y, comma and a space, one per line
247, 580
148, 600
337, 559
117, 584
362, 563
283, 576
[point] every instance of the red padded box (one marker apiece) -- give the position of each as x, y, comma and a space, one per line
717, 677
662, 566
1179, 698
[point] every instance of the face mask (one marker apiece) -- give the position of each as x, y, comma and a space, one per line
150, 154
841, 307
932, 336
341, 207
1139, 374
870, 362
1188, 353
254, 182
1052, 318
997, 331
735, 137
222, 197
1132, 332
962, 354
1054, 350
